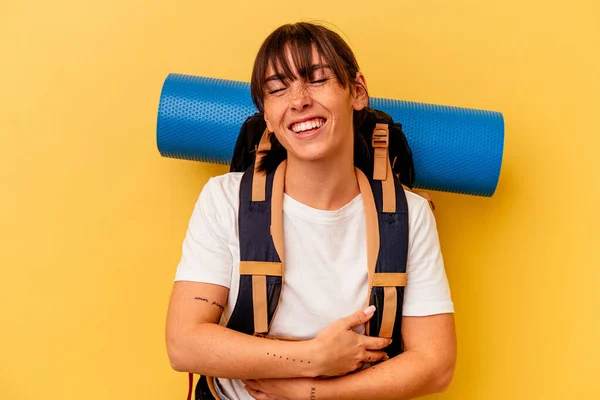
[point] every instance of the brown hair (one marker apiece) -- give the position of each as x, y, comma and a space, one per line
300, 38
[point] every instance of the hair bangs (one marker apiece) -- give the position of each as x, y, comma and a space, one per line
298, 50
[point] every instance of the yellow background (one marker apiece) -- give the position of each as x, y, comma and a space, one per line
92, 218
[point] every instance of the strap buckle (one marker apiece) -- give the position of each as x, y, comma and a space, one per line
380, 138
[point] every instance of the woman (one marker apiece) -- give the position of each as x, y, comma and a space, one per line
307, 84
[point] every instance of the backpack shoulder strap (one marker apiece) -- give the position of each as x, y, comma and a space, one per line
261, 268
398, 150
387, 282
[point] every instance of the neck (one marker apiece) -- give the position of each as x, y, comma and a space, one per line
327, 184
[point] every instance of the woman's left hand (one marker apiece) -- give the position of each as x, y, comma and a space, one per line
282, 389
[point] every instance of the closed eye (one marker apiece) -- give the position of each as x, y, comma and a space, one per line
276, 90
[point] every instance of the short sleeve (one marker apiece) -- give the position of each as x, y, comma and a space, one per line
427, 291
206, 256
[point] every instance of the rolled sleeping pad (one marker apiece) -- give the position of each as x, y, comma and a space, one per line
454, 149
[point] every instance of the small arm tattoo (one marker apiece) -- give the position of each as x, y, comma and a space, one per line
313, 393
287, 358
214, 303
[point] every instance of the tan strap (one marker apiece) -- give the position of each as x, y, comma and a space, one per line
380, 143
259, 180
277, 223
259, 302
259, 271
277, 209
372, 227
388, 188
261, 268
389, 279
390, 299
382, 167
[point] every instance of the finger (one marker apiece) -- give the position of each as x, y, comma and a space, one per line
359, 317
376, 343
374, 356
251, 383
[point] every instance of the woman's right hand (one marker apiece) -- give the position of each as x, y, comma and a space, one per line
339, 350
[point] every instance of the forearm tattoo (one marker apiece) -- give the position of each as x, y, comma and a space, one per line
313, 393
214, 303
287, 358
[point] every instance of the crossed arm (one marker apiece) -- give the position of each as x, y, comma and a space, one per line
196, 343
425, 368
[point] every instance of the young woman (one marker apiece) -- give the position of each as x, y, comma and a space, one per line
308, 85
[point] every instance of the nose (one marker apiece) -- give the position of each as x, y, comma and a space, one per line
300, 98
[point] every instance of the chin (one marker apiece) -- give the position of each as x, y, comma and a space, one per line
313, 152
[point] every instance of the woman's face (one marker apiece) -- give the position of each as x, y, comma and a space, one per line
312, 118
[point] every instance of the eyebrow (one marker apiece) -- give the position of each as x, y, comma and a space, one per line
281, 77
319, 66
276, 77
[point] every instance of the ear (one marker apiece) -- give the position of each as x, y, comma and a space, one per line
269, 126
360, 96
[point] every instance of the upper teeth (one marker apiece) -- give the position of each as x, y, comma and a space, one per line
306, 125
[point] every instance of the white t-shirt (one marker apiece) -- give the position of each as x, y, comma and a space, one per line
325, 262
